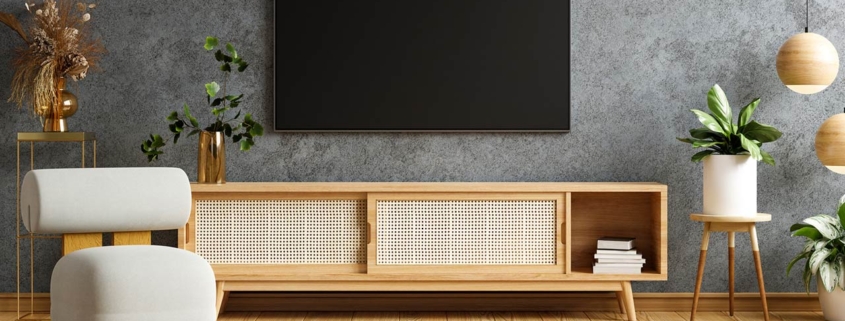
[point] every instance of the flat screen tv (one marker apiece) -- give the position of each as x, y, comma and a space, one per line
422, 65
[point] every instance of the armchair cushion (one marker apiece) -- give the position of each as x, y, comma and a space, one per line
89, 200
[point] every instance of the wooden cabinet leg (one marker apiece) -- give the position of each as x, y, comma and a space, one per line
705, 240
620, 298
629, 301
222, 296
731, 247
756, 248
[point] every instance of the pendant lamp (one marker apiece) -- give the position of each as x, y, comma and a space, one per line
830, 143
807, 62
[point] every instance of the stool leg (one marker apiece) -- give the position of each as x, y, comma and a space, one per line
705, 240
731, 246
756, 248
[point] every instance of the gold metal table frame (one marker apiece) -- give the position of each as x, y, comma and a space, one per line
32, 138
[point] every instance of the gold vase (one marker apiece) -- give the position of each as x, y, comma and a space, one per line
65, 105
211, 158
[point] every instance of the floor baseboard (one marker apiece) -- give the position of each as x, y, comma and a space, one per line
468, 301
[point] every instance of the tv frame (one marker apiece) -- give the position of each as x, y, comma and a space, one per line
568, 94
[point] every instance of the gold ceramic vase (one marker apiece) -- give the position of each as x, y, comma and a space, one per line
211, 158
55, 117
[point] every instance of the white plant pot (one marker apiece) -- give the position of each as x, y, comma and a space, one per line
833, 303
730, 185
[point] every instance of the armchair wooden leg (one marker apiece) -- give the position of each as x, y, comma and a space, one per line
758, 265
705, 240
620, 298
629, 301
222, 296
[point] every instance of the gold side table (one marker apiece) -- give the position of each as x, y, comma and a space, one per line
730, 224
32, 138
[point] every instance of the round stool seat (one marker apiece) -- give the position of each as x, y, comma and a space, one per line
132, 283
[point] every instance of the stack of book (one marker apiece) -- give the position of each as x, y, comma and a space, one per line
617, 255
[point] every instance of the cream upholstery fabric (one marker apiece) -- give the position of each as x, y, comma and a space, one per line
87, 200
132, 283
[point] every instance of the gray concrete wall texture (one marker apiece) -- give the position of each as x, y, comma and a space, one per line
637, 67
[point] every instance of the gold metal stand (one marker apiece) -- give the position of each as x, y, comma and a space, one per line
32, 138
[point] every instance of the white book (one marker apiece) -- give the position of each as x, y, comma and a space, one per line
619, 265
618, 256
598, 269
615, 243
632, 261
631, 251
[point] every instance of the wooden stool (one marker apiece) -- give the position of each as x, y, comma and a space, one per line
730, 224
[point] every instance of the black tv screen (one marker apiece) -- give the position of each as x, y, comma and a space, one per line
422, 65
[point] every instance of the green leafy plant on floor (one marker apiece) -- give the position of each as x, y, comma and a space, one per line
219, 103
824, 248
721, 136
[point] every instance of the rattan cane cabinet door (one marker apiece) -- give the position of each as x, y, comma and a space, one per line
466, 233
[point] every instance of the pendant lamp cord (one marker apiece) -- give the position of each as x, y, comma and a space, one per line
807, 27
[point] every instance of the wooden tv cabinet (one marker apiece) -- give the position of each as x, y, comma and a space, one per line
423, 236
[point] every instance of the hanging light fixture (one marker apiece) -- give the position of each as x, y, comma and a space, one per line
830, 143
807, 62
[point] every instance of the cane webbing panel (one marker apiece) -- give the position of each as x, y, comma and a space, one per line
282, 231
458, 232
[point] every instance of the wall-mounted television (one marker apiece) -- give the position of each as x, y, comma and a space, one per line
422, 65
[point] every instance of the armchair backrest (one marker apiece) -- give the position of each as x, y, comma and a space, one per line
90, 200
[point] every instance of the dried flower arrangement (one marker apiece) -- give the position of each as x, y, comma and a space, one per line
58, 44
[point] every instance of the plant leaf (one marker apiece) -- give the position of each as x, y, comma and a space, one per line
797, 258
709, 122
194, 132
225, 67
840, 264
817, 258
218, 55
212, 88
210, 43
808, 232
701, 155
217, 102
704, 133
827, 275
173, 116
797, 226
256, 130
176, 138
745, 112
706, 143
768, 159
242, 66
760, 132
245, 145
717, 102
828, 226
231, 50
751, 147
841, 212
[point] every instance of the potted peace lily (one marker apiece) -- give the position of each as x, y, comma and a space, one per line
731, 153
824, 252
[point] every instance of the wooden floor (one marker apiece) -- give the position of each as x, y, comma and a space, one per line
496, 316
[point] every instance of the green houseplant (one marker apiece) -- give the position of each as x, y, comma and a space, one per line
731, 154
211, 154
824, 251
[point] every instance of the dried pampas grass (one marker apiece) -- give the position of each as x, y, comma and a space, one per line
58, 44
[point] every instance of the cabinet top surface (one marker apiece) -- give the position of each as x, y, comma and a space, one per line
433, 187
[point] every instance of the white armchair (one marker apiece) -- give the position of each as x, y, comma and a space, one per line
125, 283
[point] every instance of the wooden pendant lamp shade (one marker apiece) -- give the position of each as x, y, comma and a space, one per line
807, 63
830, 143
